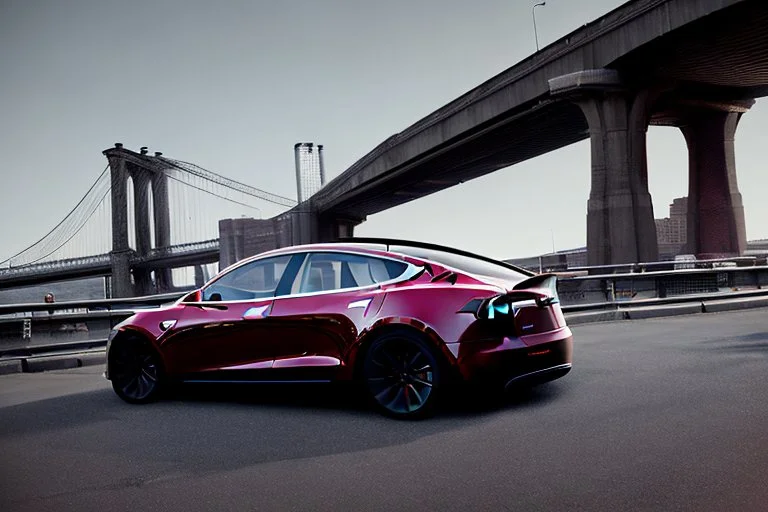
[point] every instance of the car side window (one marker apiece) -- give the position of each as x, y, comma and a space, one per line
339, 271
255, 280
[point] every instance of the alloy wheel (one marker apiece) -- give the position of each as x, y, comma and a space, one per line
135, 372
401, 375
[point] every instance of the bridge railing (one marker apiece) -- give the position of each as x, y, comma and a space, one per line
28, 329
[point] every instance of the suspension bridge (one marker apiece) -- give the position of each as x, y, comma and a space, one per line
147, 223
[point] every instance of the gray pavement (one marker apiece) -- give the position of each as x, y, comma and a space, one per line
658, 414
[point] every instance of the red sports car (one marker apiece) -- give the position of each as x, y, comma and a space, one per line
402, 319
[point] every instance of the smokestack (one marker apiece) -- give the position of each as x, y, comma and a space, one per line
297, 156
322, 164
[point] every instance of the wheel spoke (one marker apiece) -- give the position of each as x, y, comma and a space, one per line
148, 375
421, 381
414, 359
394, 363
392, 403
418, 395
377, 385
383, 394
407, 398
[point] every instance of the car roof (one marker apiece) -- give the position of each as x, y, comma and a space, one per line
383, 247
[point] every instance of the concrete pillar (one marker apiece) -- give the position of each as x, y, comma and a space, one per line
199, 276
120, 280
119, 175
716, 225
331, 227
141, 184
142, 282
162, 220
620, 225
121, 285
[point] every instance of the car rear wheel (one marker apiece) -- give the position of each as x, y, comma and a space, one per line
136, 371
402, 375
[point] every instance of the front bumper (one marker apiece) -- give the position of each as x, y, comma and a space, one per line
512, 361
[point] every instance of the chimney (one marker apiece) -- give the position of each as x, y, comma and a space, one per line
144, 150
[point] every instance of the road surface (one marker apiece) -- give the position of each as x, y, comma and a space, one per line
662, 414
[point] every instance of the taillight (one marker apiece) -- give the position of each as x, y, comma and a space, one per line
525, 309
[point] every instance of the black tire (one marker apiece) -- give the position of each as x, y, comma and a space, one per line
136, 371
402, 375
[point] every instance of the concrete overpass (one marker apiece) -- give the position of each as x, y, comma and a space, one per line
696, 65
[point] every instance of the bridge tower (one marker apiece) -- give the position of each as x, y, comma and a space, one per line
148, 178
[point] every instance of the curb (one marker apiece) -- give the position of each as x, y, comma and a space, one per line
57, 362
589, 317
735, 304
660, 311
8, 367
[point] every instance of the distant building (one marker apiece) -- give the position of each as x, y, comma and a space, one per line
557, 261
672, 231
240, 238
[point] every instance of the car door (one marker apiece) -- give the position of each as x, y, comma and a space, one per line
334, 296
229, 332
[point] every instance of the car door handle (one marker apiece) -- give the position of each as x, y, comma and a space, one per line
256, 313
208, 305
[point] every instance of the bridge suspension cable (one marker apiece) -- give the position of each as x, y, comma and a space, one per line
68, 228
226, 183
87, 229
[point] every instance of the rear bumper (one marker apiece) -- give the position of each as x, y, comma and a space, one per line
512, 362
539, 376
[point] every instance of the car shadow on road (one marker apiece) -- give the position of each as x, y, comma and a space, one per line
756, 342
345, 399
209, 428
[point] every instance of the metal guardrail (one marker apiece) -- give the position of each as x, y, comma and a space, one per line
660, 284
94, 304
683, 299
53, 348
739, 261
32, 329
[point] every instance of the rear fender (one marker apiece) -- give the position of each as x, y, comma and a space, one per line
388, 324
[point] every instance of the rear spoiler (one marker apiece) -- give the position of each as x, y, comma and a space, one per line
541, 289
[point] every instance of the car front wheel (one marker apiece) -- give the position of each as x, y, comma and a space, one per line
135, 370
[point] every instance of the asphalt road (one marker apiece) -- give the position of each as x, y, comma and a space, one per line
664, 414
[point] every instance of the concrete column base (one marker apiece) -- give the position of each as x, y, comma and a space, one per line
620, 225
121, 285
716, 223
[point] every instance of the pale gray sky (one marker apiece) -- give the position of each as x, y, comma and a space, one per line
232, 85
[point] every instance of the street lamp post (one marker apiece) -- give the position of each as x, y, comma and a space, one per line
533, 14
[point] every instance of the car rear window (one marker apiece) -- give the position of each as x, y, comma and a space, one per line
468, 264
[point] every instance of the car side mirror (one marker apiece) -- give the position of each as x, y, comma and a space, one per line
194, 296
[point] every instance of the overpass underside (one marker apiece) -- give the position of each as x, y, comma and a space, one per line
701, 77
